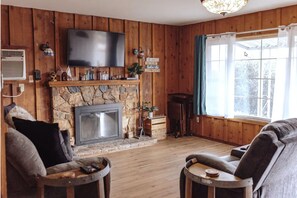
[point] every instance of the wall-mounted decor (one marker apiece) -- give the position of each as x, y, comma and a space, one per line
138, 52
47, 51
152, 65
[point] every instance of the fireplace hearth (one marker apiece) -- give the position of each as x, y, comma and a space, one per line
98, 123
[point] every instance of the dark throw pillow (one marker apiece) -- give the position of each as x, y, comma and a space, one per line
46, 138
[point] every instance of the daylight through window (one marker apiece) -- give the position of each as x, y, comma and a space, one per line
255, 62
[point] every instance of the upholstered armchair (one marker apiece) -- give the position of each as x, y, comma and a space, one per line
270, 160
24, 164
38, 149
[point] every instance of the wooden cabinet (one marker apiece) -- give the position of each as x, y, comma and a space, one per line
156, 127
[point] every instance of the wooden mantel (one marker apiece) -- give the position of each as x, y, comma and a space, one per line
92, 83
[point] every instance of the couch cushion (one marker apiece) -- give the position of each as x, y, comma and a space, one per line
46, 138
28, 163
13, 110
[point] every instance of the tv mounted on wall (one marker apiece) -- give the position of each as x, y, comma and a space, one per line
95, 48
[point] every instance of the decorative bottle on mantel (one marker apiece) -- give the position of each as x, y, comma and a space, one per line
99, 75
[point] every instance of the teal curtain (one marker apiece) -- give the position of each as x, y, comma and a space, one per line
199, 75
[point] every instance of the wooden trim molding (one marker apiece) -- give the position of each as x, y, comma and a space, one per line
92, 83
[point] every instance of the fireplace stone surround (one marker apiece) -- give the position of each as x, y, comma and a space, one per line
65, 95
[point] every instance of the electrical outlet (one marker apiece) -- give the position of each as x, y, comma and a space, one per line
31, 79
21, 87
197, 119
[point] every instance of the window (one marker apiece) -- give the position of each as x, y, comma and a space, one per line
252, 77
254, 63
240, 76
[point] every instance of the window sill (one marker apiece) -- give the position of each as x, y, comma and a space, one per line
251, 119
243, 119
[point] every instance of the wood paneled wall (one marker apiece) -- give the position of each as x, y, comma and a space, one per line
233, 131
227, 130
254, 21
28, 28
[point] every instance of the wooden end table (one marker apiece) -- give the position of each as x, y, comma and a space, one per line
76, 177
195, 172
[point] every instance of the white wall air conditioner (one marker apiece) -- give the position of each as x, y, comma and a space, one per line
13, 64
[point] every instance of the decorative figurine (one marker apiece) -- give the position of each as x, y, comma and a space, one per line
64, 76
52, 76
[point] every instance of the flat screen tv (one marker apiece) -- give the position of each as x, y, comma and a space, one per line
95, 48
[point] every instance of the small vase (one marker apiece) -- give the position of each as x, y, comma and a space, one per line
150, 115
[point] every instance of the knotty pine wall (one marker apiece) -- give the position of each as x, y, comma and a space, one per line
226, 130
27, 28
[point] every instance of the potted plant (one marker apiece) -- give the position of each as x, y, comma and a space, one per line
135, 69
149, 108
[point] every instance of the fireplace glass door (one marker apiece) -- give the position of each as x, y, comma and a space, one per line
97, 123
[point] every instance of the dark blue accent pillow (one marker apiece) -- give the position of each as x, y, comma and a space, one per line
47, 139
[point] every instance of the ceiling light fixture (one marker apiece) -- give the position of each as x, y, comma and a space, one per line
223, 7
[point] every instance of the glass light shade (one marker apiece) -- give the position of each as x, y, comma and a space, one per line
48, 52
223, 7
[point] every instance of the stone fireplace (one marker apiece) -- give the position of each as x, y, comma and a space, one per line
98, 123
66, 95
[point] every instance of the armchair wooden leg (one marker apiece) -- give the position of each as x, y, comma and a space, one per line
98, 189
248, 192
211, 192
106, 180
40, 191
188, 188
70, 192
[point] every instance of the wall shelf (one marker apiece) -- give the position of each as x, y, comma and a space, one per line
92, 83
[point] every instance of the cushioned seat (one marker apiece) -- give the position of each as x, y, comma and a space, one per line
270, 161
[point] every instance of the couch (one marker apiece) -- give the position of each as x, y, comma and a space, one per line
270, 160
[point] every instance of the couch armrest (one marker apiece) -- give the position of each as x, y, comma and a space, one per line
239, 151
213, 161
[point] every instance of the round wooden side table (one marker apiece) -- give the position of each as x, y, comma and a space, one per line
76, 177
195, 172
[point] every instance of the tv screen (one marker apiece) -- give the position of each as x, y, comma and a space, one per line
95, 48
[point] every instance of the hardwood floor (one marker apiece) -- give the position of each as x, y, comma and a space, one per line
154, 171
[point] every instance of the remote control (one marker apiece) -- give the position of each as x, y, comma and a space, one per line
94, 165
88, 169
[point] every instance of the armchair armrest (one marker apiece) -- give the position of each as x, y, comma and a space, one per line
239, 151
75, 164
213, 162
